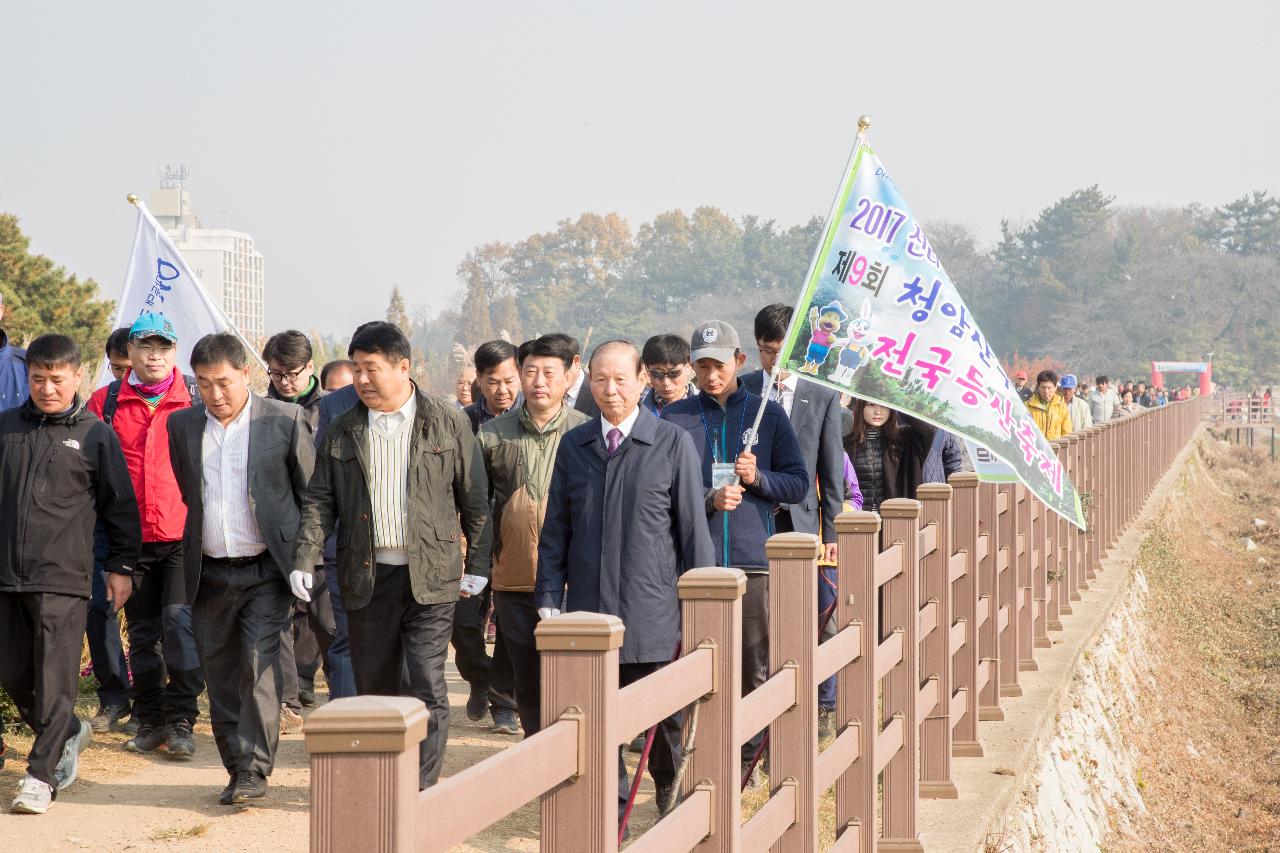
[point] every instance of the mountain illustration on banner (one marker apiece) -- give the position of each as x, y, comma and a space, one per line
880, 318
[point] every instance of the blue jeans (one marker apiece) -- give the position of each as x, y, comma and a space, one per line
826, 598
338, 672
106, 651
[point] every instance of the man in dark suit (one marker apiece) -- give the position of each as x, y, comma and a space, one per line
579, 396
625, 518
815, 417
396, 472
242, 463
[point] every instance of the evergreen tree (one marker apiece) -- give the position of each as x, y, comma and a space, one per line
42, 297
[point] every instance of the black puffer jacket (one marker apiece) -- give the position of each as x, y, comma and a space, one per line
60, 474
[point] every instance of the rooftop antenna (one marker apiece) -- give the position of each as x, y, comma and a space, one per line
173, 177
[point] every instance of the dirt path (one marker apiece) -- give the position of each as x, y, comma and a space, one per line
131, 802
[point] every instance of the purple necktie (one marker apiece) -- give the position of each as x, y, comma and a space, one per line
614, 439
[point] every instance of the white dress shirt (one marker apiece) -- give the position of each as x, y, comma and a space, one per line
390, 435
625, 427
229, 530
789, 386
571, 396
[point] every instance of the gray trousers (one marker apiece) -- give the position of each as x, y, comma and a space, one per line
392, 634
755, 646
237, 617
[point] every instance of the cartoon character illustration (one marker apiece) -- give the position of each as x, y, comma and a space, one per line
856, 347
824, 324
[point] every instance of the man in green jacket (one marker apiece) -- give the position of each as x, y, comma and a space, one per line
519, 449
398, 470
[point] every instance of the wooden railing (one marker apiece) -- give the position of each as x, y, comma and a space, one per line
941, 603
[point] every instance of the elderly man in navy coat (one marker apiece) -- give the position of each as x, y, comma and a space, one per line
625, 518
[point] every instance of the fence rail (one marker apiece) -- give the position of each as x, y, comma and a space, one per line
941, 602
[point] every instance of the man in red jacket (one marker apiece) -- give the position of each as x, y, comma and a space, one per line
162, 648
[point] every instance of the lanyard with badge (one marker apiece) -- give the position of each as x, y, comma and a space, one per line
722, 473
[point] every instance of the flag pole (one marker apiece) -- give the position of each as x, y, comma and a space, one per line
864, 124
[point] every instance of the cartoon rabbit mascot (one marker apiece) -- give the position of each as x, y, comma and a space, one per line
823, 326
856, 347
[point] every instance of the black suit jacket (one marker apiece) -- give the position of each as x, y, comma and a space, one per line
281, 459
815, 417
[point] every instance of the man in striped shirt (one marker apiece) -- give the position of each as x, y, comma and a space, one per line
399, 470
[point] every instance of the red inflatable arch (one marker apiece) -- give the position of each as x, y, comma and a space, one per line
1204, 368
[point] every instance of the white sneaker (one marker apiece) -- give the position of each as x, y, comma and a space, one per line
69, 765
34, 797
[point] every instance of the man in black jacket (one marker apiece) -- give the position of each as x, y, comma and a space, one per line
311, 631
61, 472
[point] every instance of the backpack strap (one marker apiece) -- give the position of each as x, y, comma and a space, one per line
112, 402
192, 388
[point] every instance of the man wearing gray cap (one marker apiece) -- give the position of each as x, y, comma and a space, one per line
745, 484
13, 369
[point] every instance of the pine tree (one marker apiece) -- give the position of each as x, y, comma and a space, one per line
398, 314
41, 297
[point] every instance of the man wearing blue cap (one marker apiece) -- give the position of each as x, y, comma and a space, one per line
162, 647
1077, 407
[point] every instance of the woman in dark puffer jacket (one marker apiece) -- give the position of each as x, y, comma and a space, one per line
888, 450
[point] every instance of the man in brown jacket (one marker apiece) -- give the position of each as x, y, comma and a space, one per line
519, 450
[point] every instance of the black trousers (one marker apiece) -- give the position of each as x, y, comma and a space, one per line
305, 641
239, 614
664, 756
517, 618
755, 646
40, 668
394, 631
491, 675
162, 647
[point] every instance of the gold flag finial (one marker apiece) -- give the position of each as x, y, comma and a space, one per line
864, 124
132, 199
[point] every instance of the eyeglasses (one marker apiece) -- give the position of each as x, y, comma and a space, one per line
290, 376
149, 349
666, 375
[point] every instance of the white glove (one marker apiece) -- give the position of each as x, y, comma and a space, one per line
299, 583
547, 612
472, 585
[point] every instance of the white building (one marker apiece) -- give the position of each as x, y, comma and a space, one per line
225, 261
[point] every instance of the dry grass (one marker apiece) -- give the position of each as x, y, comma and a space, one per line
1209, 736
180, 832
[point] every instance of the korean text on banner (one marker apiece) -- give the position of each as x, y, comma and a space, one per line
880, 318
158, 279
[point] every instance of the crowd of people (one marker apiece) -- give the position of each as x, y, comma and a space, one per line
1062, 405
349, 521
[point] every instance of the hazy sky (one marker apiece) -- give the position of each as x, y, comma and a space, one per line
371, 144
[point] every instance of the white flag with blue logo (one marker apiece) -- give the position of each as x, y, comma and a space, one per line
158, 279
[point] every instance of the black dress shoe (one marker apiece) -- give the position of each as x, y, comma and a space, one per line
665, 799
250, 785
226, 797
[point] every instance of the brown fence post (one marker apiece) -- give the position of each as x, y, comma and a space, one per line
364, 773
964, 597
1028, 556
1011, 596
1093, 540
580, 677
901, 791
793, 641
935, 646
991, 570
712, 609
857, 687
1041, 544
